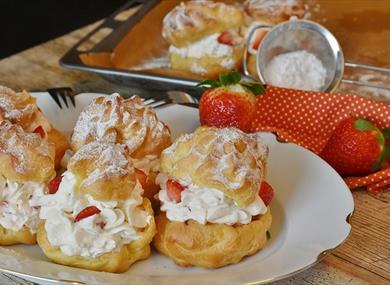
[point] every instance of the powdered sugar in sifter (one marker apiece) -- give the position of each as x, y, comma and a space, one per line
296, 35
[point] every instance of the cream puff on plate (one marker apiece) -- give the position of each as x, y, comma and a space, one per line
26, 166
94, 216
21, 108
213, 212
204, 37
128, 122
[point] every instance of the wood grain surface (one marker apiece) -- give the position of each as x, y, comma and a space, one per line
363, 259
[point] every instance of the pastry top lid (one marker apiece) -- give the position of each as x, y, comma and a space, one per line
104, 171
226, 159
127, 121
25, 156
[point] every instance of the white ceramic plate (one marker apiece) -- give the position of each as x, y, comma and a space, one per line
311, 211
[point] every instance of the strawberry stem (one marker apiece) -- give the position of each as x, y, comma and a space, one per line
232, 78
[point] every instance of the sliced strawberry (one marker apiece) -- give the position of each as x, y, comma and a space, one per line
174, 190
141, 177
54, 185
260, 34
39, 130
226, 38
266, 193
87, 212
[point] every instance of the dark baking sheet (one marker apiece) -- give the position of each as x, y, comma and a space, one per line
362, 28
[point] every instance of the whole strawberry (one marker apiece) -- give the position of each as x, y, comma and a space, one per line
228, 102
356, 147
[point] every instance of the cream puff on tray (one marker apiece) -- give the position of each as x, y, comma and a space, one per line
26, 166
129, 122
213, 206
204, 37
21, 108
94, 216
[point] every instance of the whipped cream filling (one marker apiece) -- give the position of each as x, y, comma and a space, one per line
148, 163
208, 46
17, 207
206, 205
95, 235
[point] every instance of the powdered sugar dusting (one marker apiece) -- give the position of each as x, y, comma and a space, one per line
16, 106
228, 150
115, 120
187, 15
226, 155
22, 147
105, 161
276, 7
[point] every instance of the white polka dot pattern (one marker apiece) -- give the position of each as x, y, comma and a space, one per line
308, 119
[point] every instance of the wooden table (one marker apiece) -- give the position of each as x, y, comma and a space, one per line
363, 259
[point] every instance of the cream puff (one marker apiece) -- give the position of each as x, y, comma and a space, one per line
129, 122
21, 108
204, 38
95, 216
211, 211
26, 166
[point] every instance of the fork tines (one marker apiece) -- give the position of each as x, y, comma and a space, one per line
63, 93
157, 101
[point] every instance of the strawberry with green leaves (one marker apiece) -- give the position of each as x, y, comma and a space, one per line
356, 147
229, 102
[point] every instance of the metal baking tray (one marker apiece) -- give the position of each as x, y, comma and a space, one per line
139, 35
118, 30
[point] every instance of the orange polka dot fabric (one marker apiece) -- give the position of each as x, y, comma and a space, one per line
308, 119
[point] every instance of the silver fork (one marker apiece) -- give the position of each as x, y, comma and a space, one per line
64, 93
155, 101
171, 97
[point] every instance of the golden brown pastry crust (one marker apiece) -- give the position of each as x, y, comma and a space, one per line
103, 171
225, 159
61, 144
18, 108
210, 245
193, 20
25, 156
9, 237
152, 189
275, 11
114, 119
21, 108
115, 262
